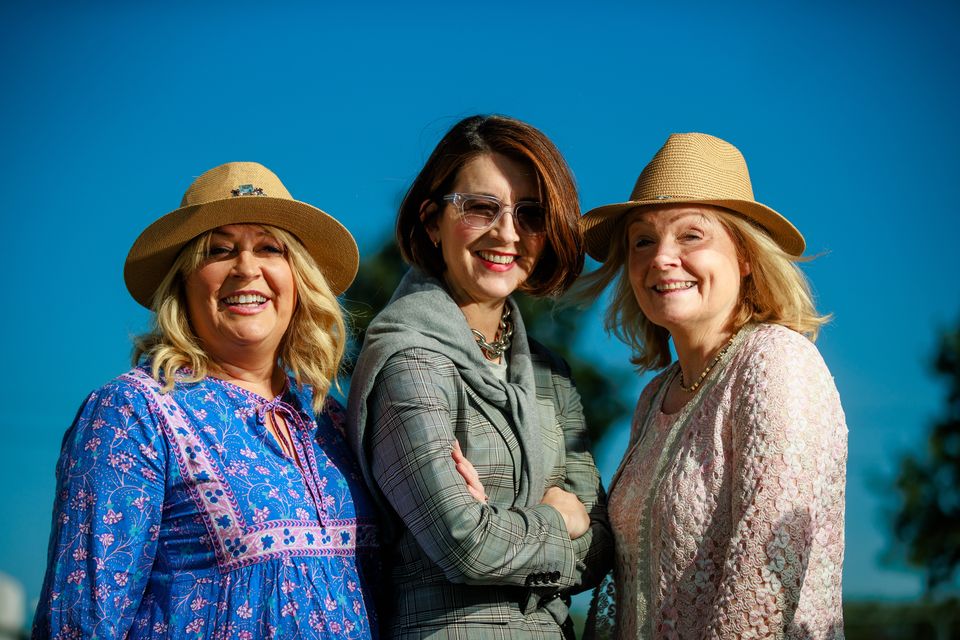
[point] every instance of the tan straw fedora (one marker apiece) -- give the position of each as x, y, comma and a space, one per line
692, 168
239, 193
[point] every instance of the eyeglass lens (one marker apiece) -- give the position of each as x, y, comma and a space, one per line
479, 213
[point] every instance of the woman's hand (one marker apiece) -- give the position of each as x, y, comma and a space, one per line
465, 469
573, 512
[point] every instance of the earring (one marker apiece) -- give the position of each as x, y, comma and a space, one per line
436, 243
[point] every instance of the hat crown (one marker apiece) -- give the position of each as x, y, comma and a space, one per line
235, 180
695, 166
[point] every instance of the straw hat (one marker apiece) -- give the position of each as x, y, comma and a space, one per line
239, 193
692, 168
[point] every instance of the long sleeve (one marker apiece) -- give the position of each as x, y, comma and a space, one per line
106, 518
781, 574
413, 410
594, 549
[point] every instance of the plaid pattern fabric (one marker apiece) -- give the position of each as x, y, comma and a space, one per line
579, 475
460, 567
521, 629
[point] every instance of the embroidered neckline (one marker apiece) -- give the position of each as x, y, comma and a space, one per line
252, 395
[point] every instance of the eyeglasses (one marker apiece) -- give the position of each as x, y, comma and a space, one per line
482, 212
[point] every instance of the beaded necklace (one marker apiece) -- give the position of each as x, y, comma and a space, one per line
696, 385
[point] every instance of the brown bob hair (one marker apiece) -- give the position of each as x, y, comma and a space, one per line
562, 258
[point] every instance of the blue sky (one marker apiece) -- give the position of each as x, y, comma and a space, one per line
846, 114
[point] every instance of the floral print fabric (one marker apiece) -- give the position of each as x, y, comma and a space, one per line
728, 515
179, 516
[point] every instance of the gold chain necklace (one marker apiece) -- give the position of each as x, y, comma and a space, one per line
696, 385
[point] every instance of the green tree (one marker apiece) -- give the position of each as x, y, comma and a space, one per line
927, 523
557, 328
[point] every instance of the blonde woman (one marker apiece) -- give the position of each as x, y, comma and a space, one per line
208, 492
727, 509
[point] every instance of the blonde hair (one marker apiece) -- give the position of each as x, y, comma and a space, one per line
312, 347
775, 291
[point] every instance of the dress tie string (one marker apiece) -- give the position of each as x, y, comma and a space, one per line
305, 459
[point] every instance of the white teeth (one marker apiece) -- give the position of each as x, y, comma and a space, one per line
246, 298
673, 286
496, 257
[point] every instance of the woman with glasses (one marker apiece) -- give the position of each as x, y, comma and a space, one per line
448, 388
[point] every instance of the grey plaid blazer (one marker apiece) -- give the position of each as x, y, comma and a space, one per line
460, 567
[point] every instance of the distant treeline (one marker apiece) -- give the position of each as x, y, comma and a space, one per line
871, 620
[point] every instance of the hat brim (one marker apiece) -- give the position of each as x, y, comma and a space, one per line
600, 223
325, 239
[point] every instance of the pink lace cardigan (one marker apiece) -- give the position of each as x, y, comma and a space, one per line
728, 515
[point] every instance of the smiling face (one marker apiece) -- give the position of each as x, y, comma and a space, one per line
484, 266
684, 269
241, 298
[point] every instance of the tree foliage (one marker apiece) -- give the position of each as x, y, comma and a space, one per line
557, 328
927, 523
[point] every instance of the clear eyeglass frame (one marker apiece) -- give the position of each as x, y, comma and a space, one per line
528, 215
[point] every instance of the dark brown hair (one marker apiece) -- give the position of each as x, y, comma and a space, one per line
562, 257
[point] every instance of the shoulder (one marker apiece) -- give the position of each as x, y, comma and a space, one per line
646, 399
303, 393
138, 386
419, 375
419, 359
778, 339
774, 352
334, 412
652, 387
549, 369
121, 411
133, 388
782, 374
544, 357
393, 344
332, 409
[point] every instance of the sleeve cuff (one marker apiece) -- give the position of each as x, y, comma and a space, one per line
559, 568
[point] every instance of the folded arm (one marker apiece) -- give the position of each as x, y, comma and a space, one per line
594, 549
412, 412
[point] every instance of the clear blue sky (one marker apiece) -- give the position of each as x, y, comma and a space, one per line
846, 112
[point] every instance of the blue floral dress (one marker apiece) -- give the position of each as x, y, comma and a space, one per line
178, 515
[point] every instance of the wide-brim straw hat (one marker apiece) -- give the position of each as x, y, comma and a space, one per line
692, 168
239, 193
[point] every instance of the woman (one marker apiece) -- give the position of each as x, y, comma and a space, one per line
209, 492
447, 371
728, 506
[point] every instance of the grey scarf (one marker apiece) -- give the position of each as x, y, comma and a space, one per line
422, 314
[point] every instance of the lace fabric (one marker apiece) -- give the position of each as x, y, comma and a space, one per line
601, 621
728, 515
